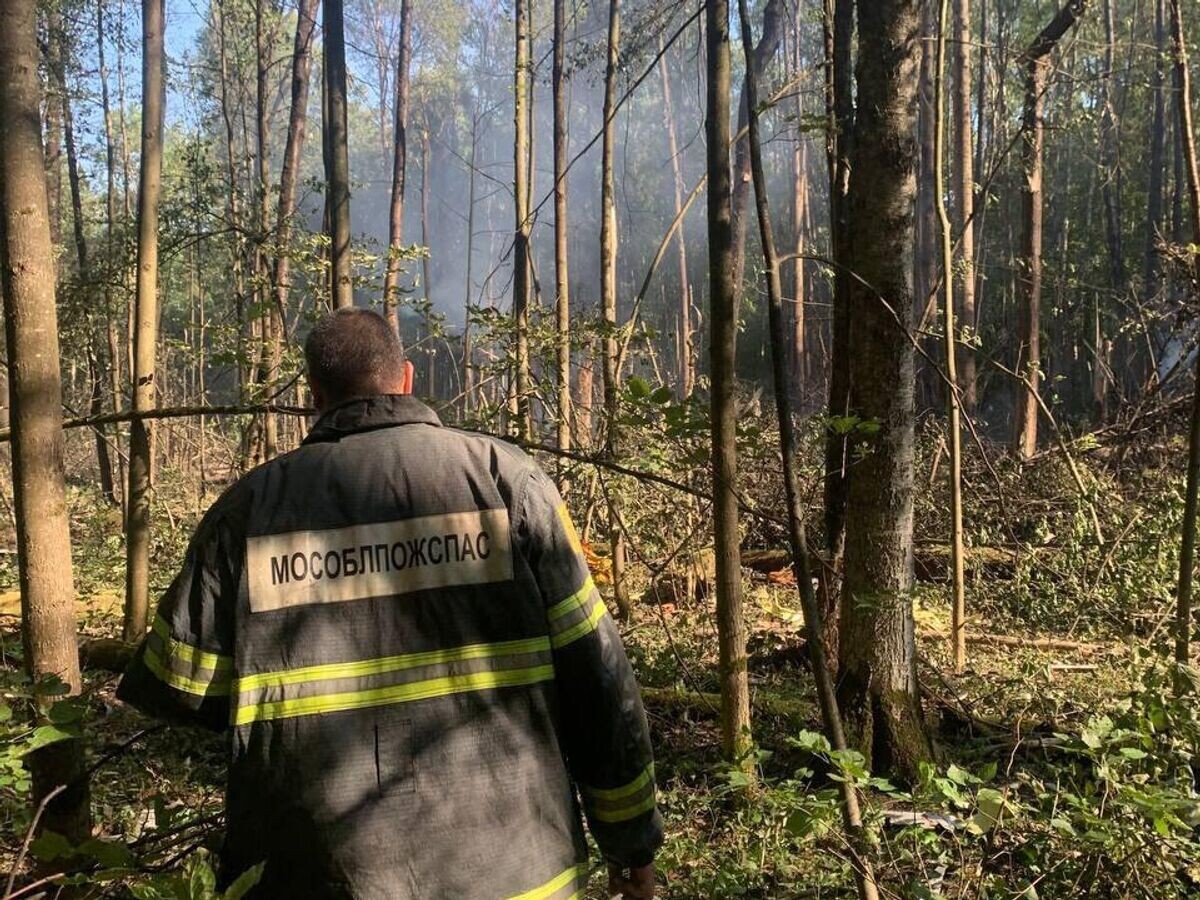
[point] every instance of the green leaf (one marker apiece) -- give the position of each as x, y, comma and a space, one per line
1133, 753
639, 388
50, 845
44, 735
244, 882
991, 804
110, 854
662, 395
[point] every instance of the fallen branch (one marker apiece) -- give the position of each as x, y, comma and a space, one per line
1008, 640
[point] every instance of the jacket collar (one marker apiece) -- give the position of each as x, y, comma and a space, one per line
368, 414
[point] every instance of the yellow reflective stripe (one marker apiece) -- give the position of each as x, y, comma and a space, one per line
210, 688
569, 528
625, 813
584, 627
620, 793
193, 656
397, 693
386, 664
555, 884
558, 610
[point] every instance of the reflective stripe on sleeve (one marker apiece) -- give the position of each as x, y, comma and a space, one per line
576, 616
622, 803
388, 680
573, 879
184, 667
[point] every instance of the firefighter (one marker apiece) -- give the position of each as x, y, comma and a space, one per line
420, 683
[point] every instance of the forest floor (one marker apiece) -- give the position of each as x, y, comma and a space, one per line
1064, 766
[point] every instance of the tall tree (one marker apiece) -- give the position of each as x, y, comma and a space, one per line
731, 627
145, 334
964, 198
1036, 59
289, 177
337, 162
878, 690
31, 328
562, 275
840, 114
608, 287
521, 260
954, 399
391, 281
1158, 154
1187, 555
797, 539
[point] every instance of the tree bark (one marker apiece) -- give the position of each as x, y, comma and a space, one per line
145, 336
731, 629
608, 290
391, 280
878, 690
562, 275
686, 365
270, 328
1158, 155
1110, 171
337, 165
1187, 554
1029, 265
31, 326
798, 541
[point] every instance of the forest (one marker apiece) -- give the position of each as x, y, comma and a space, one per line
860, 337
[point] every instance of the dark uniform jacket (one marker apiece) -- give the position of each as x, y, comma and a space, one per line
420, 680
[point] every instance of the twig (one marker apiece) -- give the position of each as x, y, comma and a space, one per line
37, 817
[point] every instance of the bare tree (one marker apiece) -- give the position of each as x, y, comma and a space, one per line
31, 326
964, 198
521, 261
878, 691
1037, 67
337, 163
731, 627
686, 353
1187, 553
562, 277
145, 335
391, 281
608, 287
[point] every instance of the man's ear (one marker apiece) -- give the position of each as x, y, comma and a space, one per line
406, 380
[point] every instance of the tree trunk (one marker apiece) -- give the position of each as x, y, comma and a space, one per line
773, 19
562, 277
1187, 554
1029, 267
521, 261
926, 275
964, 203
798, 541
686, 362
337, 166
237, 246
840, 112
289, 176
426, 269
731, 629
954, 398
53, 162
878, 690
1158, 155
391, 280
145, 335
43, 531
608, 290
468, 367
1110, 172
271, 330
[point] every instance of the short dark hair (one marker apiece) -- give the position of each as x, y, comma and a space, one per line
353, 352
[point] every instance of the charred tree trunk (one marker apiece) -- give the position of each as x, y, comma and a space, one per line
1036, 59
731, 628
391, 280
31, 326
145, 335
337, 165
878, 690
